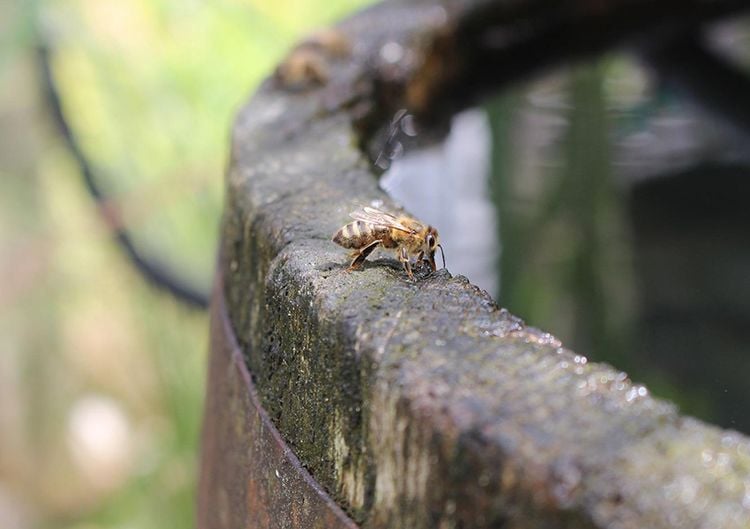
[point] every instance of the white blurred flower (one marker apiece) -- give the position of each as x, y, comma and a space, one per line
100, 439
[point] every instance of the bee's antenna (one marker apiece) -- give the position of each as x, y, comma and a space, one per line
442, 253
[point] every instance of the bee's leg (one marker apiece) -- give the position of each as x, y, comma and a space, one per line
362, 254
403, 256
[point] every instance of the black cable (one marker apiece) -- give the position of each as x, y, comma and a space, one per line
156, 273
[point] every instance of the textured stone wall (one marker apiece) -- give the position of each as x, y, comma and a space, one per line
425, 404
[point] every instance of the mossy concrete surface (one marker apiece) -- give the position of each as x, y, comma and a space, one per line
421, 404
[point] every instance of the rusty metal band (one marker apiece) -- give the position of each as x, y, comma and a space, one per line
249, 477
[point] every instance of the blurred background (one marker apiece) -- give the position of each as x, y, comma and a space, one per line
595, 202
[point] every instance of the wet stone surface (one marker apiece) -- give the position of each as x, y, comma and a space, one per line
425, 404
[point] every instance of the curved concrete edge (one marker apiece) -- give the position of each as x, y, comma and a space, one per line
249, 477
424, 404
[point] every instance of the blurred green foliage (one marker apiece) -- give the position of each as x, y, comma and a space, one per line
101, 378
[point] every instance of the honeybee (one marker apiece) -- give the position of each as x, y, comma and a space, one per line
403, 234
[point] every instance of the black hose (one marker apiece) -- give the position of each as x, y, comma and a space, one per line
156, 273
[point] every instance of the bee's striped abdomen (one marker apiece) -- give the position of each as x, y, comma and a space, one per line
354, 235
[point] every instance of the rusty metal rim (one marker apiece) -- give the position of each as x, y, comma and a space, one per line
238, 360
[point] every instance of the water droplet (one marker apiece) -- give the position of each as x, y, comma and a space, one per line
746, 498
439, 15
382, 162
392, 52
398, 116
407, 125
722, 459
397, 149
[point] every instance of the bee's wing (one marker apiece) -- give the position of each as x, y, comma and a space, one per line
378, 218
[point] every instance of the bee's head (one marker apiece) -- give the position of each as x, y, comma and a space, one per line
433, 243
431, 239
